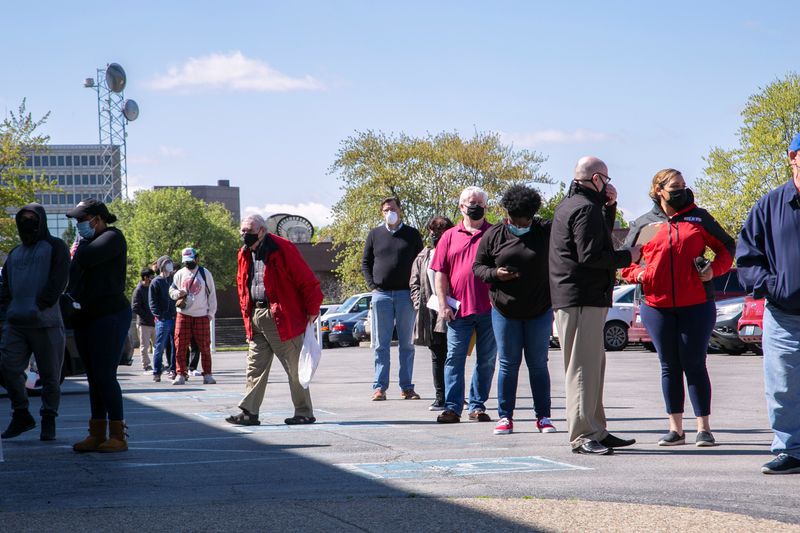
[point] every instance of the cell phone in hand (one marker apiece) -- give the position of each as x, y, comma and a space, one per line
511, 269
702, 264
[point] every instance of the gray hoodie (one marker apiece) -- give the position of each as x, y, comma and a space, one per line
34, 276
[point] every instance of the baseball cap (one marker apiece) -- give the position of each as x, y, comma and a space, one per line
794, 146
90, 206
188, 254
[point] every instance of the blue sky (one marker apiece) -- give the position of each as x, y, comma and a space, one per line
262, 93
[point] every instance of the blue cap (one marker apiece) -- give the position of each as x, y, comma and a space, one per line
794, 146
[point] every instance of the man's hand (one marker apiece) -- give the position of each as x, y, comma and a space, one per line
636, 253
503, 274
181, 293
446, 313
611, 194
311, 318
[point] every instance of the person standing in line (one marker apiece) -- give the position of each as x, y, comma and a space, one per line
31, 282
389, 252
583, 264
193, 284
512, 259
163, 309
279, 297
97, 283
429, 329
452, 262
145, 321
767, 257
678, 309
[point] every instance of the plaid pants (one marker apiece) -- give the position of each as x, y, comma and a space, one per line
187, 327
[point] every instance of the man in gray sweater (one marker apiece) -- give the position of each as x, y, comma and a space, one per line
32, 280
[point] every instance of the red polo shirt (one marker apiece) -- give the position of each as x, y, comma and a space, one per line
455, 254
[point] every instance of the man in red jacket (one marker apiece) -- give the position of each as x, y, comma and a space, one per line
279, 296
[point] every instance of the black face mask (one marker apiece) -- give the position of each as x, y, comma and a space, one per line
678, 199
475, 212
190, 264
27, 230
249, 239
435, 238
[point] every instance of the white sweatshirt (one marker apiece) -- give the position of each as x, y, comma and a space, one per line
200, 302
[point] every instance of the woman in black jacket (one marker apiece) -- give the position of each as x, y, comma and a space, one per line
97, 283
512, 259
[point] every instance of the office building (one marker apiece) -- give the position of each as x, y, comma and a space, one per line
221, 193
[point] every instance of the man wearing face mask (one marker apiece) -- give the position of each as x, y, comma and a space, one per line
33, 277
163, 309
429, 329
279, 296
583, 264
678, 309
455, 255
389, 252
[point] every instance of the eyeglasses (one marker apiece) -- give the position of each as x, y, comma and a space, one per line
606, 178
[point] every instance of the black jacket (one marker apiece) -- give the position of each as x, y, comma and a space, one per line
140, 304
583, 262
527, 296
97, 275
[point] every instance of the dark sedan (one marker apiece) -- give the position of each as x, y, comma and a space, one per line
341, 330
725, 335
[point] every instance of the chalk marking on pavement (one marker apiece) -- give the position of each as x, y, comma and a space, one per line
284, 457
322, 426
161, 397
457, 467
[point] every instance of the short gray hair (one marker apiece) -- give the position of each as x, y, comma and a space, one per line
469, 191
258, 220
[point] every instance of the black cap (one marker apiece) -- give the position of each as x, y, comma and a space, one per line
91, 207
147, 272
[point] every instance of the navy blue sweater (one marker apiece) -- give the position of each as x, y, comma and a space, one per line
767, 254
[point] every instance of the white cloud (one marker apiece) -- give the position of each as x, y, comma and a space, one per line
318, 214
171, 151
552, 136
231, 71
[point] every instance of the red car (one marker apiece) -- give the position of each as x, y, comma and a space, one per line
751, 323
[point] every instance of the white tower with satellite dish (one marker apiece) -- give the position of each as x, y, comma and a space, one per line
113, 114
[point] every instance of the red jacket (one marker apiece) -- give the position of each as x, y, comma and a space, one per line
670, 277
291, 288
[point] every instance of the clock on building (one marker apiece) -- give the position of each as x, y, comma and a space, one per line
295, 228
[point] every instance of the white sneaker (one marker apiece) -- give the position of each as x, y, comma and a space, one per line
179, 380
208, 379
195, 373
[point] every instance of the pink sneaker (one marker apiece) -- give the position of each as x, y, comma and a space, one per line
504, 427
544, 425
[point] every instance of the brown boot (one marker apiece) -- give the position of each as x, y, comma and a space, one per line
117, 438
97, 436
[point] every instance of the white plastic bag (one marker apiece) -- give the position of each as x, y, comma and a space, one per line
310, 354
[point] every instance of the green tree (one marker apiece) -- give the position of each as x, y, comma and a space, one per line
426, 173
69, 234
18, 139
164, 221
734, 179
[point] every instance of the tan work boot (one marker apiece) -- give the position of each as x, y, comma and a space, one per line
117, 438
97, 436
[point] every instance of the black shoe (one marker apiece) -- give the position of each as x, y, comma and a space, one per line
705, 438
48, 427
245, 418
673, 438
592, 447
448, 417
437, 405
297, 420
783, 464
21, 421
615, 442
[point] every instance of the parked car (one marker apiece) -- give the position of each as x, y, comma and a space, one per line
360, 330
726, 286
725, 335
620, 316
750, 326
328, 308
342, 329
352, 306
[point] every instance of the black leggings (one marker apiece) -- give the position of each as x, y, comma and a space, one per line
681, 336
100, 341
438, 349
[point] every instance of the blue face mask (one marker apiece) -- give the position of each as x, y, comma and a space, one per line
517, 230
85, 229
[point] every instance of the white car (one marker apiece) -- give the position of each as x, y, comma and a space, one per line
615, 333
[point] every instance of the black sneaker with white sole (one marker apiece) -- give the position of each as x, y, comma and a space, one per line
704, 438
782, 464
673, 438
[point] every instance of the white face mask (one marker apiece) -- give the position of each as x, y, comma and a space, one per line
391, 218
168, 268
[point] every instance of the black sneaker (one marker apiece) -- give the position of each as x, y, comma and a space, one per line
783, 464
612, 441
437, 405
21, 421
705, 438
673, 438
48, 432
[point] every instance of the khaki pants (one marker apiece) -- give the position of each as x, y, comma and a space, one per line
265, 344
147, 340
580, 333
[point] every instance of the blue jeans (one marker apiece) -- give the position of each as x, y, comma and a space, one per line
514, 336
165, 342
392, 309
781, 343
459, 333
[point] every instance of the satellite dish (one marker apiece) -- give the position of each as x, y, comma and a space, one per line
130, 110
272, 222
115, 78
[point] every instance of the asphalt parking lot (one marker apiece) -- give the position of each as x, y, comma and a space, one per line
373, 466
